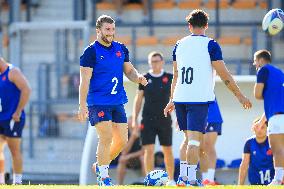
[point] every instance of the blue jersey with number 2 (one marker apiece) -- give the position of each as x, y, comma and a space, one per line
106, 85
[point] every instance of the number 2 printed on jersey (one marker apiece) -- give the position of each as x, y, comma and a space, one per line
115, 81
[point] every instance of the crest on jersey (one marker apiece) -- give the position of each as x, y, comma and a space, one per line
269, 152
165, 80
118, 54
4, 78
101, 114
254, 152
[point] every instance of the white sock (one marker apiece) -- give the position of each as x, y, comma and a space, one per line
2, 178
104, 170
183, 168
211, 174
204, 175
17, 178
191, 173
279, 173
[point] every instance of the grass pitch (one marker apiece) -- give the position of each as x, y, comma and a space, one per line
129, 187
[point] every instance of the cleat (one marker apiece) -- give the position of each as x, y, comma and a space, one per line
182, 181
171, 183
207, 182
105, 182
194, 183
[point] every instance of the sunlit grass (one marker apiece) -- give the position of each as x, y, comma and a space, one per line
126, 187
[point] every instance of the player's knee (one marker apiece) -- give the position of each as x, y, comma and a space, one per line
193, 145
105, 140
149, 151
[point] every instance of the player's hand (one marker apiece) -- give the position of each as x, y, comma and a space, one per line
16, 116
83, 113
169, 108
245, 102
142, 80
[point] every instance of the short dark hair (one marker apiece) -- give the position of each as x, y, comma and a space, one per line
155, 53
257, 119
265, 54
104, 19
198, 18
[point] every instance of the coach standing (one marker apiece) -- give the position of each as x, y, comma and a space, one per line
156, 95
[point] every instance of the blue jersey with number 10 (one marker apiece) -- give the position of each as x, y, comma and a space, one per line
106, 85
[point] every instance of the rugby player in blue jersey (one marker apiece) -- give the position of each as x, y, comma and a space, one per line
102, 95
257, 160
14, 95
269, 87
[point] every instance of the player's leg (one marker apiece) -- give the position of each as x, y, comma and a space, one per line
196, 124
119, 140
169, 163
14, 145
276, 141
149, 157
141, 158
103, 149
203, 162
210, 141
148, 136
165, 135
13, 135
121, 169
119, 131
2, 159
182, 124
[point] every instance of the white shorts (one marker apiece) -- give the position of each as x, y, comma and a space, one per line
276, 124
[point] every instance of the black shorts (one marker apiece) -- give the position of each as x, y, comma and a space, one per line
150, 128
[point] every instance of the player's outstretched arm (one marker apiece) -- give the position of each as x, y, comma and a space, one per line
227, 78
244, 168
22, 84
85, 76
133, 75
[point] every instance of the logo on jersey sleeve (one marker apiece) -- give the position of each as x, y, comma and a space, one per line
269, 152
165, 80
118, 54
101, 114
4, 78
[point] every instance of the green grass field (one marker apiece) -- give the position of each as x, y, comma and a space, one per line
127, 187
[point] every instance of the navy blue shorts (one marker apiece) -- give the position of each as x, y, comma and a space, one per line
214, 127
114, 113
13, 129
192, 117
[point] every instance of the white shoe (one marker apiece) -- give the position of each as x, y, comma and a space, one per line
171, 183
275, 182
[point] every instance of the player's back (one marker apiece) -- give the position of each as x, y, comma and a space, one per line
196, 77
273, 101
9, 96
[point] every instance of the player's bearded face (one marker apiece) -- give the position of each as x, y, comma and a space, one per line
107, 33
